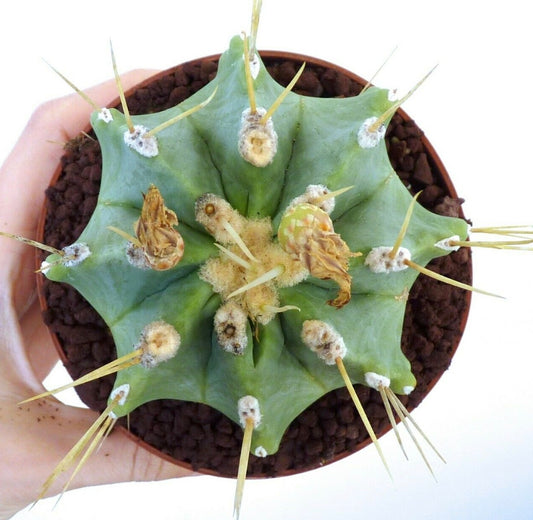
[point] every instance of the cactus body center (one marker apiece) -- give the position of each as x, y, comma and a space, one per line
227, 275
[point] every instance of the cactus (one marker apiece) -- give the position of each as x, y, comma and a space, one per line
198, 168
252, 249
280, 224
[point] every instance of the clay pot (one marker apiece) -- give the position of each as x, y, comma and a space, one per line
194, 435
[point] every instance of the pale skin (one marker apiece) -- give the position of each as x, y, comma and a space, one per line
35, 436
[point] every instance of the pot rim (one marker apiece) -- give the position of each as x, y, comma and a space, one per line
438, 167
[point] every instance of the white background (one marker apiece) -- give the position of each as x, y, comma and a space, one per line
476, 109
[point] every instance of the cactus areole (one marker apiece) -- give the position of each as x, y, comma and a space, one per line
230, 253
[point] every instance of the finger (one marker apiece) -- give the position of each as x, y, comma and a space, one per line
120, 459
51, 429
123, 459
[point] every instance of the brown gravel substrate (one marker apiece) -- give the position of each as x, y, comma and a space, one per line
194, 433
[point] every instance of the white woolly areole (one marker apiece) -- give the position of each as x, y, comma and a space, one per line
136, 257
392, 95
248, 408
408, 389
445, 243
258, 143
214, 213
105, 115
75, 254
367, 138
324, 340
45, 266
159, 341
138, 141
379, 261
312, 195
230, 327
122, 389
375, 381
254, 65
260, 452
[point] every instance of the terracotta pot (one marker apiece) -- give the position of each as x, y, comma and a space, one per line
429, 345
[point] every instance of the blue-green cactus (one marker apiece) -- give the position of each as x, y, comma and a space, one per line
329, 143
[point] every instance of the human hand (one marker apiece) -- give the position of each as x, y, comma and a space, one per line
35, 436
